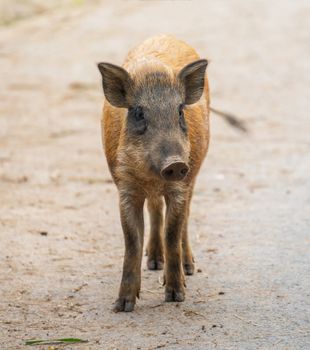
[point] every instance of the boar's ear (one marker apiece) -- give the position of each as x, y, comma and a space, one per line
192, 77
115, 82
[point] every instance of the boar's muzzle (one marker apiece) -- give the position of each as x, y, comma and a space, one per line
174, 169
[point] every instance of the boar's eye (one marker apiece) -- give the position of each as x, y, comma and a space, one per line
138, 113
182, 119
136, 120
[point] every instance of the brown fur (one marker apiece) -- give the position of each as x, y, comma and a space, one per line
157, 58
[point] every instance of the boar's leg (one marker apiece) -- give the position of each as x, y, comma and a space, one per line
155, 255
131, 211
174, 275
187, 256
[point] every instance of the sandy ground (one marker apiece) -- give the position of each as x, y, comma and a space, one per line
60, 237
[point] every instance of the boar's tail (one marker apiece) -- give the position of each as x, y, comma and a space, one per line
231, 119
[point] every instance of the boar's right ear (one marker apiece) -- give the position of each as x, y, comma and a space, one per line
192, 77
115, 82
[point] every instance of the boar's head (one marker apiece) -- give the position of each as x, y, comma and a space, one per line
155, 100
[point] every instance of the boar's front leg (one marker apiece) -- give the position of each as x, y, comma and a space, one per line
131, 211
188, 259
174, 275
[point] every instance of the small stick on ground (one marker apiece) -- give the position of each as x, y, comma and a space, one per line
247, 321
157, 305
77, 289
150, 291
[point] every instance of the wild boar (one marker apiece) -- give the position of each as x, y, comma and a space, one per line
155, 130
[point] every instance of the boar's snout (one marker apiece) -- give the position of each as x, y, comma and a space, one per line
174, 169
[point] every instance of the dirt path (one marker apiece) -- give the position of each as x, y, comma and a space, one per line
60, 238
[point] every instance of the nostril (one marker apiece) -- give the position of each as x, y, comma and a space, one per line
169, 172
184, 171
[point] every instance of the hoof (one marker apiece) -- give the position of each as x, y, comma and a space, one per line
124, 304
155, 264
189, 269
174, 294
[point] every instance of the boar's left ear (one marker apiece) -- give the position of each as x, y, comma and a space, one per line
192, 77
116, 83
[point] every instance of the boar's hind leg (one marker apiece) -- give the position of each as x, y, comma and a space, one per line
131, 210
174, 275
155, 255
187, 256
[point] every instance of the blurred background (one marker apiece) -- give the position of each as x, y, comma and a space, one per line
60, 236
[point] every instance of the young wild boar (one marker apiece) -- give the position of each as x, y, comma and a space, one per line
156, 135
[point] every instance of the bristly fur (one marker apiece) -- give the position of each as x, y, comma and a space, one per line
152, 82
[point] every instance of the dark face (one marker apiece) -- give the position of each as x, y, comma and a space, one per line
155, 120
